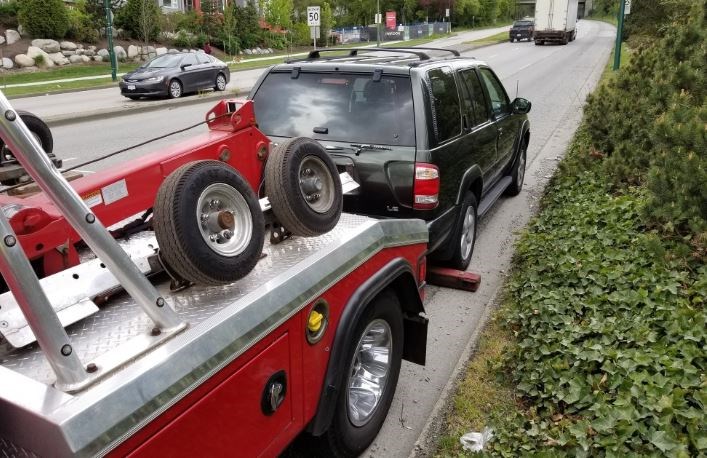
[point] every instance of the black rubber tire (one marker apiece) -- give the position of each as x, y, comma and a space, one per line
181, 244
282, 186
457, 259
517, 185
133, 97
539, 42
343, 438
38, 128
511, 40
169, 89
216, 86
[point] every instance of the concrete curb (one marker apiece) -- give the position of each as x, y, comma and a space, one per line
427, 441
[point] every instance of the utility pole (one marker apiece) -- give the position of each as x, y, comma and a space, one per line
379, 19
109, 35
619, 35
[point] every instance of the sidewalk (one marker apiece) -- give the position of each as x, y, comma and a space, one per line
73, 107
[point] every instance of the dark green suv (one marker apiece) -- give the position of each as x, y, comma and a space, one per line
427, 137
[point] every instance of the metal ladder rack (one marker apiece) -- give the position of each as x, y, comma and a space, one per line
71, 374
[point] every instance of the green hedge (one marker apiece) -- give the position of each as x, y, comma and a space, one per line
44, 18
650, 120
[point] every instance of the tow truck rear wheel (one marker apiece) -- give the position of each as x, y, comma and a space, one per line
208, 223
303, 186
370, 378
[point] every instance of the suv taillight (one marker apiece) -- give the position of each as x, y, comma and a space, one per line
426, 187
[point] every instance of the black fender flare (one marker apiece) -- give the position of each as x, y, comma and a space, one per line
397, 273
470, 176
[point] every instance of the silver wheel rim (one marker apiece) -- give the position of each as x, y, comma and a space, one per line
368, 373
221, 82
175, 89
224, 219
468, 231
520, 176
316, 184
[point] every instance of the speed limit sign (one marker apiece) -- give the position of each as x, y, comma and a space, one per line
313, 16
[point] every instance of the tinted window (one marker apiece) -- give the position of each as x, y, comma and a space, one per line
165, 61
203, 58
499, 99
522, 24
477, 101
446, 110
189, 59
348, 107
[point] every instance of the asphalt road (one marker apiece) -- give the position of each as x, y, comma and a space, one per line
556, 79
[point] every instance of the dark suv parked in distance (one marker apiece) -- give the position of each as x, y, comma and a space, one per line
435, 138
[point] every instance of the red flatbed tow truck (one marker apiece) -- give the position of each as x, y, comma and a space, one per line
310, 340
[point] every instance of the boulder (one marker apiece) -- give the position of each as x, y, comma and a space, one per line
68, 46
49, 46
88, 52
7, 63
13, 36
173, 51
160, 51
59, 58
2, 40
75, 59
120, 53
34, 52
85, 59
149, 49
103, 53
92, 48
133, 51
21, 30
98, 58
23, 60
248, 52
70, 53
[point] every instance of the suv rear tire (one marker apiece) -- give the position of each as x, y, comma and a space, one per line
518, 173
464, 237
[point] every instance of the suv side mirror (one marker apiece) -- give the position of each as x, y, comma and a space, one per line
521, 106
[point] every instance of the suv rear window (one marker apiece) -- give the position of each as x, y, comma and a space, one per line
523, 24
337, 107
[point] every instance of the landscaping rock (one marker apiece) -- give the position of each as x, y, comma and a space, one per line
149, 49
70, 53
48, 46
59, 58
160, 51
92, 48
88, 52
12, 36
103, 53
7, 63
120, 53
85, 59
68, 46
75, 59
248, 52
133, 51
21, 30
270, 51
173, 51
34, 51
23, 60
98, 58
2, 40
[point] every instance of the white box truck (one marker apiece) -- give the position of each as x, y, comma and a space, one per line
555, 21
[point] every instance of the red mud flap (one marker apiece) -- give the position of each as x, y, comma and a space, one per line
451, 278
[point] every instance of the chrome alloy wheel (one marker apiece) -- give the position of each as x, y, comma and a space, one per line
224, 219
220, 82
316, 184
520, 175
369, 372
467, 234
175, 89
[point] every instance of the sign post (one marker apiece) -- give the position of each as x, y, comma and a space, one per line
625, 8
109, 35
314, 21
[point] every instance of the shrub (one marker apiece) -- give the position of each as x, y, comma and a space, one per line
44, 18
649, 121
183, 40
301, 34
81, 25
140, 18
8, 14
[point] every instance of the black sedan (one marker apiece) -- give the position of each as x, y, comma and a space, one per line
175, 74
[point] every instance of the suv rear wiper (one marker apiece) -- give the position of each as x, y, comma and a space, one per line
360, 147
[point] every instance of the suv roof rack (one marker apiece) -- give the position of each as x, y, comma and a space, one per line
419, 52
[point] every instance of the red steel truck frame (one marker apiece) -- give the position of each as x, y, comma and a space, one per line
310, 340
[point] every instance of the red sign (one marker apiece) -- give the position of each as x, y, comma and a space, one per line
390, 20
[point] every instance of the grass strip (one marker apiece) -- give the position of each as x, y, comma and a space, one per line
501, 37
